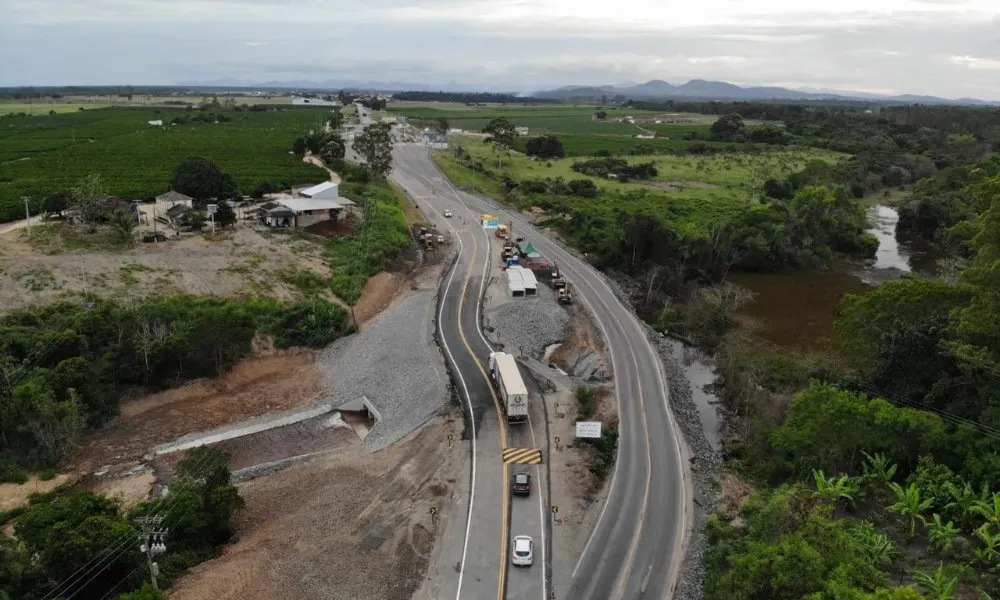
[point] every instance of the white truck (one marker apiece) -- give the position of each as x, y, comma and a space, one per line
503, 370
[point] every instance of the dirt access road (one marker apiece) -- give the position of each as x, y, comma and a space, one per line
362, 527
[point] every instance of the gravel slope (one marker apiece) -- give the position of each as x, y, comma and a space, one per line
396, 364
532, 323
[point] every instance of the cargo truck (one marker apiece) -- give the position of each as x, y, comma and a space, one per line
513, 393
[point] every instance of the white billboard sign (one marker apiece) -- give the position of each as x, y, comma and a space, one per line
588, 429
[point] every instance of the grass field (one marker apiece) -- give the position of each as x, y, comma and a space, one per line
588, 144
44, 108
692, 192
41, 156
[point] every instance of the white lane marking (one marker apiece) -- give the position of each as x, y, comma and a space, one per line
472, 420
486, 266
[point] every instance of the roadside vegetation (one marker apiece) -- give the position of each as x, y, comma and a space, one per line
58, 536
865, 472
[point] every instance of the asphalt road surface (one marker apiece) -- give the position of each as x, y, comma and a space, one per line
494, 517
637, 545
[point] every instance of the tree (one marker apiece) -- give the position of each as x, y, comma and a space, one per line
910, 505
147, 592
601, 115
224, 215
333, 149
65, 534
57, 203
375, 147
728, 127
546, 146
299, 146
441, 125
942, 534
500, 133
938, 585
122, 223
194, 218
89, 198
963, 500
201, 179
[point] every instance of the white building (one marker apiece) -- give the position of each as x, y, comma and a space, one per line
435, 140
521, 130
168, 200
157, 123
515, 285
325, 190
298, 213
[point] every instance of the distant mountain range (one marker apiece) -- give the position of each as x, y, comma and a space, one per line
336, 84
695, 89
720, 90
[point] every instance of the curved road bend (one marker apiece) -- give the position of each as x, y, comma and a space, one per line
496, 517
637, 545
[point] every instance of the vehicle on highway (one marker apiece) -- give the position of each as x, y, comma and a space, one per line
447, 214
521, 554
522, 484
507, 377
440, 239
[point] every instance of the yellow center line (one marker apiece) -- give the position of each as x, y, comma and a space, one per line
503, 428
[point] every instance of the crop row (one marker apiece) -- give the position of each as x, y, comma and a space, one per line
140, 165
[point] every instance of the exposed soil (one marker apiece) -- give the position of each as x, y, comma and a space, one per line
254, 387
378, 294
360, 527
130, 489
60, 262
14, 495
581, 334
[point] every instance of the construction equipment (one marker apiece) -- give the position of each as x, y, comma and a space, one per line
564, 295
559, 282
502, 231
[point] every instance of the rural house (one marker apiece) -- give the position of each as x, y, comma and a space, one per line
166, 201
299, 213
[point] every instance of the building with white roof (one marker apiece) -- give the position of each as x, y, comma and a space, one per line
515, 284
302, 212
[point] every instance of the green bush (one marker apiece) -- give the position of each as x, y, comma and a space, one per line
46, 474
586, 399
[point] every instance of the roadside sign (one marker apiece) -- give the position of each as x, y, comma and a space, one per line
588, 429
490, 221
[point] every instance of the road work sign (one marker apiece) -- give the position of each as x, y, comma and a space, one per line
588, 429
491, 221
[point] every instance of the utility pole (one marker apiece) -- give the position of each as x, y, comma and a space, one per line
151, 542
27, 214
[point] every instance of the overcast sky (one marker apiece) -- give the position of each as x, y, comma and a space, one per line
943, 47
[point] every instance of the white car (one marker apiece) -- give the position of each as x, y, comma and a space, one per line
447, 214
522, 551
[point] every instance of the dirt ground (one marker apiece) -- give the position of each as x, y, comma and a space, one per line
254, 387
14, 495
360, 528
580, 334
238, 263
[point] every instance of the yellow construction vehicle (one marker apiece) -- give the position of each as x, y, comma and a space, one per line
502, 231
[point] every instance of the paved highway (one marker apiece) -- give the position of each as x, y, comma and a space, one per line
494, 517
637, 545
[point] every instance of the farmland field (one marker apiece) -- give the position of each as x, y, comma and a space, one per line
44, 155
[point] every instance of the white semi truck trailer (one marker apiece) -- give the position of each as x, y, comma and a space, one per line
513, 393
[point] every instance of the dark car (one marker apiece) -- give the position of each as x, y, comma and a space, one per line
522, 484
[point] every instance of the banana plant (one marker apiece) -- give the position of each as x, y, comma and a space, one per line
941, 534
909, 504
875, 545
963, 500
834, 488
878, 469
937, 585
989, 554
989, 510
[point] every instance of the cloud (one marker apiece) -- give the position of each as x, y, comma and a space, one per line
941, 47
976, 63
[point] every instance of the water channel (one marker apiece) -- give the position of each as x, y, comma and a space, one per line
798, 310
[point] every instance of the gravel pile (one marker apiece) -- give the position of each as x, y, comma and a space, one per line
532, 323
396, 364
